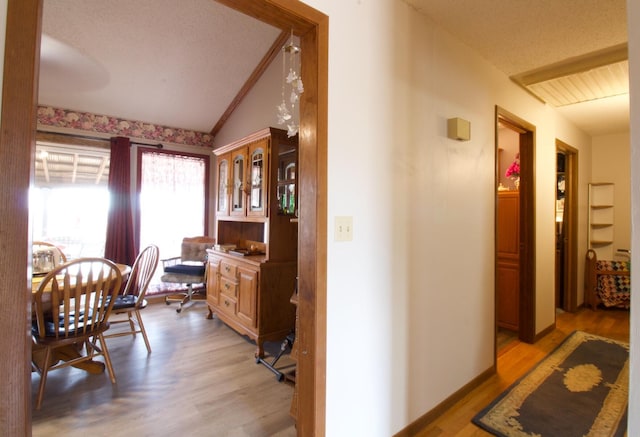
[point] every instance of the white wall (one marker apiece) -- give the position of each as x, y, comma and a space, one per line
258, 110
611, 163
410, 305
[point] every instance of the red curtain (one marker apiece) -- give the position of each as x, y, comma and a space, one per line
120, 244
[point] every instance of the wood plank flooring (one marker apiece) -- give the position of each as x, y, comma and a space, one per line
200, 380
516, 360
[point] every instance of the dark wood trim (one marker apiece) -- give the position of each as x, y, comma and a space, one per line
283, 14
527, 330
540, 335
312, 241
17, 149
421, 423
571, 233
253, 79
527, 307
19, 126
313, 29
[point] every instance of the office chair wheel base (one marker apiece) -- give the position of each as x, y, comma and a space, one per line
178, 310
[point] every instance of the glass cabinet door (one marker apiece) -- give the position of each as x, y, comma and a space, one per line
257, 179
287, 192
237, 188
222, 207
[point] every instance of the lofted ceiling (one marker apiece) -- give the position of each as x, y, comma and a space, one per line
183, 63
175, 63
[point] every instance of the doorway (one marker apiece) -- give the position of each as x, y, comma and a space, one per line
515, 228
566, 208
19, 119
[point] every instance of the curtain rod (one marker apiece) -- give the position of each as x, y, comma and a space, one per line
96, 138
159, 145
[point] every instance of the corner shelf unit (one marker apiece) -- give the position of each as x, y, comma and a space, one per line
601, 219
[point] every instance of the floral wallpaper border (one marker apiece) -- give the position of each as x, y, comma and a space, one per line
50, 116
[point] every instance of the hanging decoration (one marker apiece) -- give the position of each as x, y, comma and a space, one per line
291, 84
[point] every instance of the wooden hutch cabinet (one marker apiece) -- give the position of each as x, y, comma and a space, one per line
252, 269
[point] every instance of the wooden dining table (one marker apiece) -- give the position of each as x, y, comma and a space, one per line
124, 269
73, 351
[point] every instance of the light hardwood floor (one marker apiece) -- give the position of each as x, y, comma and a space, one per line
200, 380
516, 359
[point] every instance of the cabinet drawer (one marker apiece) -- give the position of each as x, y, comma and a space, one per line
228, 287
213, 260
227, 305
228, 270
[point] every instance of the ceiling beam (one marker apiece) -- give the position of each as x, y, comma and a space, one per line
577, 64
253, 79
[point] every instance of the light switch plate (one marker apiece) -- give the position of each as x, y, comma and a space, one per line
344, 228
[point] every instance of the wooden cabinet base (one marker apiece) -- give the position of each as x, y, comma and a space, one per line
252, 296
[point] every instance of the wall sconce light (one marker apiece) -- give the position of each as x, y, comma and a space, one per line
459, 129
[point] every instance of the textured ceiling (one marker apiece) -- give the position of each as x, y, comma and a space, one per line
180, 63
521, 36
168, 62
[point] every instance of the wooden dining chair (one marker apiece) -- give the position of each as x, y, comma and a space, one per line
71, 309
132, 300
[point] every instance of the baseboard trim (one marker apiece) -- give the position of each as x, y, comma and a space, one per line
544, 332
423, 421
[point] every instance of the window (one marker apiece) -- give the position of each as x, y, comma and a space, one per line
173, 199
69, 200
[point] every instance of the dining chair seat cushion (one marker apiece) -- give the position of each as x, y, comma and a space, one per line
50, 327
129, 301
186, 269
122, 302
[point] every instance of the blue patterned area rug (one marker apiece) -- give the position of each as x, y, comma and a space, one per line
579, 389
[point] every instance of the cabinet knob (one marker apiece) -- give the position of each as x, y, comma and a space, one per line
226, 302
226, 286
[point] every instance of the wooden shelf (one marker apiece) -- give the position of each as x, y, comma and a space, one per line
601, 219
600, 242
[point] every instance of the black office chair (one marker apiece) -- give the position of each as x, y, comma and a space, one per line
188, 268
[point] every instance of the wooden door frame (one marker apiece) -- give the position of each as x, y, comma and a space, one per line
571, 233
527, 292
17, 148
17, 151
